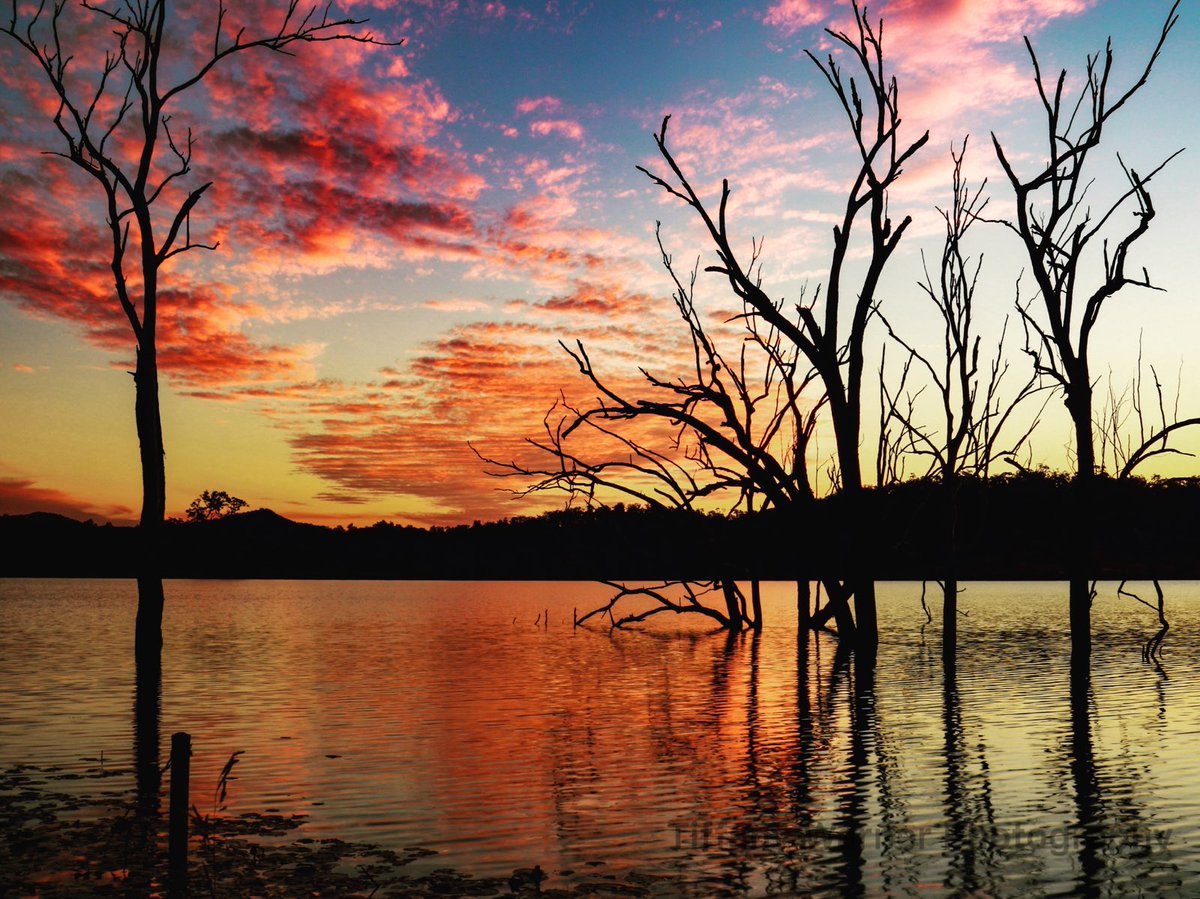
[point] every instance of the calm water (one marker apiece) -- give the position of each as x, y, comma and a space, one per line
439, 715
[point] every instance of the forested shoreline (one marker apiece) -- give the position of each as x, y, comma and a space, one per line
1011, 527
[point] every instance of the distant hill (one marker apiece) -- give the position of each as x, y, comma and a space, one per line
45, 520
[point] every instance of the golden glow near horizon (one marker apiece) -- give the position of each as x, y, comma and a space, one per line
405, 236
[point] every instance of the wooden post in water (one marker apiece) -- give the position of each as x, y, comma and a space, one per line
177, 839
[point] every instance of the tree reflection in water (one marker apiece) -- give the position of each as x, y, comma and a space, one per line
147, 712
970, 832
829, 805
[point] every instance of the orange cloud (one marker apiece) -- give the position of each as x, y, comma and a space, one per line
316, 168
20, 496
489, 383
55, 267
456, 305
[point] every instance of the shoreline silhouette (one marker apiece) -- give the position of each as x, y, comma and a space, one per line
1011, 528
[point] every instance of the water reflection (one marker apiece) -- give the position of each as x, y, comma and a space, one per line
147, 714
970, 831
439, 715
1082, 764
852, 814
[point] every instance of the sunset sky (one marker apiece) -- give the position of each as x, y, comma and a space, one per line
406, 233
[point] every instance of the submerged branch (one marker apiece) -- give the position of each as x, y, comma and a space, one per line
692, 601
1152, 648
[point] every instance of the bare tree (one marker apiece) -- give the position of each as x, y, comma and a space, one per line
973, 408
1126, 450
738, 424
1058, 229
830, 331
147, 203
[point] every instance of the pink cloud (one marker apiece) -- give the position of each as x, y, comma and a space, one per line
456, 305
751, 138
980, 21
538, 104
567, 128
789, 16
952, 57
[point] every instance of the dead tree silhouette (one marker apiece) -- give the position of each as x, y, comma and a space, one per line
821, 345
732, 429
830, 330
147, 204
1058, 231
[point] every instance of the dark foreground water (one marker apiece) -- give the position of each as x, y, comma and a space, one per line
440, 715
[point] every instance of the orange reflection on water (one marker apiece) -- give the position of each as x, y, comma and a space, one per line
440, 715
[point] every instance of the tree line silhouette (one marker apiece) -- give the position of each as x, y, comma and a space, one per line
1009, 527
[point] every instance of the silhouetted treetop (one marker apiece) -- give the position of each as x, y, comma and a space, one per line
213, 504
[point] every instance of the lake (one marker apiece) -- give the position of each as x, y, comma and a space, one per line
449, 715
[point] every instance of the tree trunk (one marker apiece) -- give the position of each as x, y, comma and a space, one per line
949, 622
148, 633
846, 428
147, 642
950, 584
1080, 407
733, 608
846, 436
150, 440
837, 607
756, 604
1081, 622
867, 634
